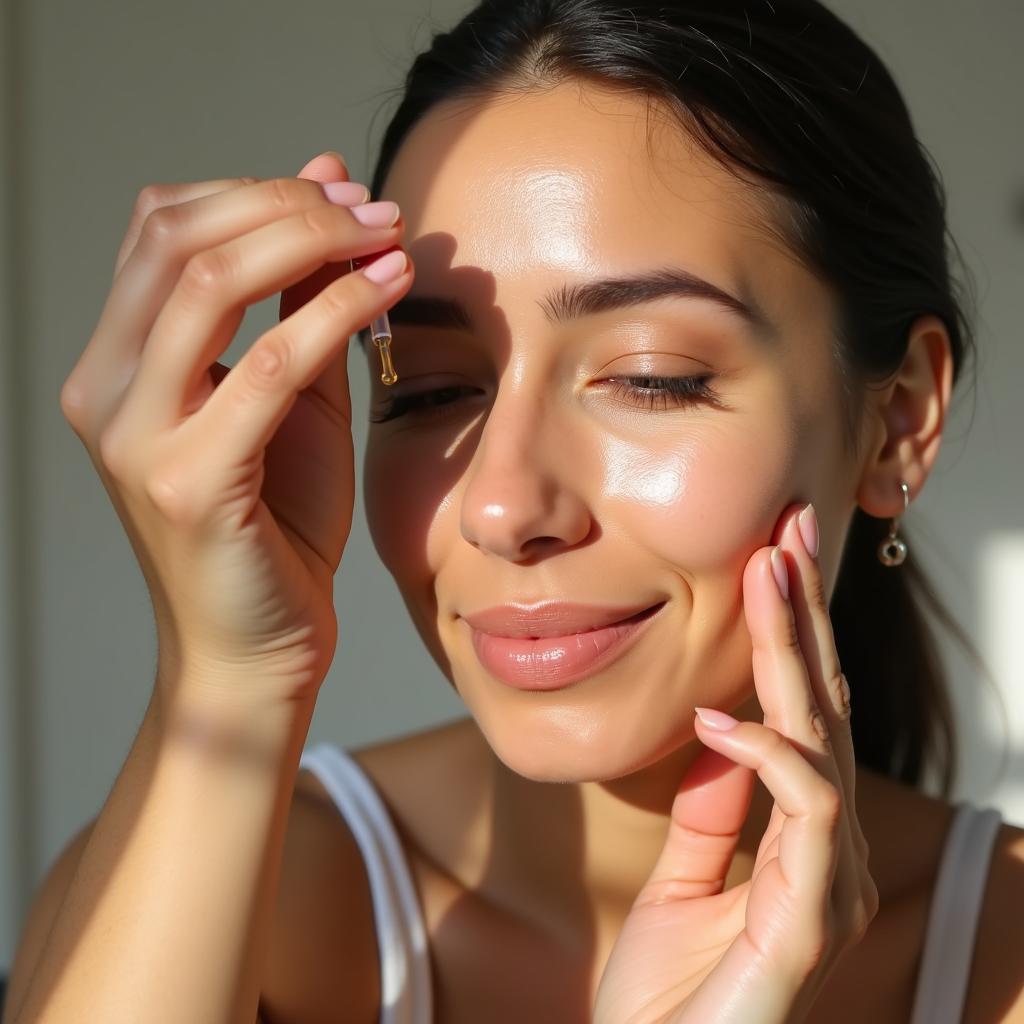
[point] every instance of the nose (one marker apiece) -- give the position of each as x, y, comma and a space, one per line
521, 499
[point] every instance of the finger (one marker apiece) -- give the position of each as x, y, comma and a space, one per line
252, 401
93, 390
202, 315
814, 639
155, 197
329, 166
808, 842
331, 384
181, 220
708, 812
781, 676
325, 168
817, 641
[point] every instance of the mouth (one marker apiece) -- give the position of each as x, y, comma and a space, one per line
548, 619
553, 661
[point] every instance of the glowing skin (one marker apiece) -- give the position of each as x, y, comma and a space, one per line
540, 482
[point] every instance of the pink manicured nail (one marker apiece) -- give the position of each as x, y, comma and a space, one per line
346, 193
808, 523
718, 720
387, 268
377, 215
779, 569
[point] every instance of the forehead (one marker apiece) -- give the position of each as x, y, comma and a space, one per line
575, 179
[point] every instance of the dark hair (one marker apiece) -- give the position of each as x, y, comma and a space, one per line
791, 100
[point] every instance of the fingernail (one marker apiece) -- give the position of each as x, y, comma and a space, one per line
387, 268
808, 523
779, 569
346, 193
718, 720
383, 214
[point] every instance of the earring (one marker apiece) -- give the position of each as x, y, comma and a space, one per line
893, 550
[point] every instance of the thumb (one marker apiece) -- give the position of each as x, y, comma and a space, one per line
708, 812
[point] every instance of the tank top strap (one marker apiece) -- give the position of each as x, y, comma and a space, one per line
406, 996
953, 919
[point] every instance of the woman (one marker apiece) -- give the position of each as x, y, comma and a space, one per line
675, 338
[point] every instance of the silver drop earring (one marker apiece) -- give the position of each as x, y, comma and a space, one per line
893, 550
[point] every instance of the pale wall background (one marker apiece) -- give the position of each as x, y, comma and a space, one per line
102, 98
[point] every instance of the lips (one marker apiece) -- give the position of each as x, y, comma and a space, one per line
551, 646
550, 618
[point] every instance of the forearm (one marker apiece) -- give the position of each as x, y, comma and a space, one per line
167, 915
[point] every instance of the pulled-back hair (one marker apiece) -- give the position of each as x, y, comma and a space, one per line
792, 101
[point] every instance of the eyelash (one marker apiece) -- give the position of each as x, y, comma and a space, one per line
669, 393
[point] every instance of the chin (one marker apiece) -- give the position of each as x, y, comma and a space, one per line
563, 743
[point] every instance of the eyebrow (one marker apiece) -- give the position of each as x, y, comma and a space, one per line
572, 302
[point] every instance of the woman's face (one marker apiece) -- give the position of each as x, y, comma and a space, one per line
538, 475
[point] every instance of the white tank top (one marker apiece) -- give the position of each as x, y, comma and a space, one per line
406, 994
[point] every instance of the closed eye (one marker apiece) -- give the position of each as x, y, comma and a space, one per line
665, 392
642, 392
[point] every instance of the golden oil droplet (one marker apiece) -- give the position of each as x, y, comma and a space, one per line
388, 376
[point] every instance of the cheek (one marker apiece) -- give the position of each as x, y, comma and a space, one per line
704, 503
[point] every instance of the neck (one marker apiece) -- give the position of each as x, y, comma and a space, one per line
568, 857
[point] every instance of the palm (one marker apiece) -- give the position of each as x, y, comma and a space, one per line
308, 485
291, 516
287, 522
686, 949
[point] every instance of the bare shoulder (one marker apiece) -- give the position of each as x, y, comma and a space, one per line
906, 830
323, 943
995, 994
324, 949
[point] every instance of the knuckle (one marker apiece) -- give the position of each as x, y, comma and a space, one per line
336, 299
839, 690
72, 404
268, 360
151, 197
787, 635
207, 272
161, 226
170, 498
818, 724
284, 193
322, 221
113, 452
816, 594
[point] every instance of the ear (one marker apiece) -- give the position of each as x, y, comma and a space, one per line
906, 420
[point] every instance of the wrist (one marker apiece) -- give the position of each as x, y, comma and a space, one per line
210, 716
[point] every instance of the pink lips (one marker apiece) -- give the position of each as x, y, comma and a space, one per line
548, 646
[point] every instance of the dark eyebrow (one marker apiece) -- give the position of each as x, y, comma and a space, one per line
570, 302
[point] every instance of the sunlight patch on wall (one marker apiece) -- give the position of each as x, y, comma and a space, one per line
1001, 599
